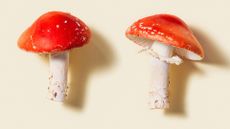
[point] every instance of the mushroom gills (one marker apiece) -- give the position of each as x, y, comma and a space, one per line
58, 76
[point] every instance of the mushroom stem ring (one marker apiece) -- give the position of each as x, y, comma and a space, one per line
158, 92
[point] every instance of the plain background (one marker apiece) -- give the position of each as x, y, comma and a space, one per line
109, 80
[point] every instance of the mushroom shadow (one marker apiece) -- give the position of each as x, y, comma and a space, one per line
179, 75
213, 55
94, 56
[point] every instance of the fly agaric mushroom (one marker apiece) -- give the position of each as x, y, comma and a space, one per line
164, 36
55, 33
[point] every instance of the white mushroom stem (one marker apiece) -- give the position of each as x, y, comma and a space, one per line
58, 76
158, 93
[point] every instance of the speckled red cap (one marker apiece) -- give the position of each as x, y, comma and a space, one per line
54, 32
167, 29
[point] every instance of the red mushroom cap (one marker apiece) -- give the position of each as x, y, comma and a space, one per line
54, 32
169, 30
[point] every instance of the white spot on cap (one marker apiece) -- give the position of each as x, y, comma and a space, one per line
34, 47
169, 38
133, 27
160, 33
83, 38
65, 21
59, 46
48, 30
147, 28
78, 24
141, 24
57, 26
152, 32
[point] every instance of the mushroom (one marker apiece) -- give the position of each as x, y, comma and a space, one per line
165, 37
55, 33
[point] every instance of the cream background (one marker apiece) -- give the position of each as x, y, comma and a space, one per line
109, 79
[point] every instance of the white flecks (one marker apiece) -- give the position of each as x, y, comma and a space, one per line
147, 28
83, 38
65, 21
57, 26
34, 47
59, 46
76, 29
141, 24
133, 27
48, 30
169, 38
160, 33
83, 29
152, 33
78, 24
